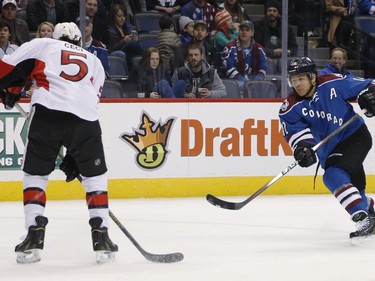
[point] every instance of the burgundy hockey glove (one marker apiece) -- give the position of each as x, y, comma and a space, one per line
366, 100
69, 167
304, 154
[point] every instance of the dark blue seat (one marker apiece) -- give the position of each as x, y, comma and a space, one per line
118, 69
365, 24
112, 89
260, 89
148, 40
147, 22
232, 88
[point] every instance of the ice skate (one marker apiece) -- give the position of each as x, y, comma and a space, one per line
371, 211
29, 250
103, 246
365, 227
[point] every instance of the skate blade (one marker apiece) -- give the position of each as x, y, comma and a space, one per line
360, 240
105, 257
30, 256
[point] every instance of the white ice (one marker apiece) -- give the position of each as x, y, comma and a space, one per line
274, 238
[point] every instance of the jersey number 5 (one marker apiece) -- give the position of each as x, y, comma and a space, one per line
70, 57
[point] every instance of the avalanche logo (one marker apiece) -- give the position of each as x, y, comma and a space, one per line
284, 106
150, 141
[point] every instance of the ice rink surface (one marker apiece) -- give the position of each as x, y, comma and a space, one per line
273, 238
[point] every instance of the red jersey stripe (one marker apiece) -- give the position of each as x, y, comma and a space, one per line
34, 195
97, 200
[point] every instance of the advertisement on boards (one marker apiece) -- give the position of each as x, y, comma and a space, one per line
149, 145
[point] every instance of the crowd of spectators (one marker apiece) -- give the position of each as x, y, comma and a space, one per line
154, 78
227, 40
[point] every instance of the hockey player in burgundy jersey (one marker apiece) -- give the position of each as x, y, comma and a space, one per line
64, 111
317, 107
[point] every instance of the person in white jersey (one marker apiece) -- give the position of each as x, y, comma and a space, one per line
68, 81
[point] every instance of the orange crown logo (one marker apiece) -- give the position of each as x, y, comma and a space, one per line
150, 141
151, 136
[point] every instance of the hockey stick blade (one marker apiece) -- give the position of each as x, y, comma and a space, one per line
238, 205
159, 258
166, 258
222, 204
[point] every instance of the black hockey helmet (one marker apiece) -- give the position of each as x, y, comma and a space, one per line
301, 65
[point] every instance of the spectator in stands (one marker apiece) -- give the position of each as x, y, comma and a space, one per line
96, 10
19, 31
169, 7
244, 59
337, 65
236, 10
200, 34
120, 37
202, 80
168, 41
186, 29
98, 18
45, 30
6, 48
132, 7
154, 77
366, 7
94, 46
268, 33
39, 11
227, 31
201, 10
341, 23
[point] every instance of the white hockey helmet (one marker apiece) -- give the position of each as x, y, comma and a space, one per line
68, 29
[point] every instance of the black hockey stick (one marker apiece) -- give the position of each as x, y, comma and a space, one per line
160, 258
238, 205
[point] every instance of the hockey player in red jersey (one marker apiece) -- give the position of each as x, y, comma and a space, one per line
64, 111
315, 109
